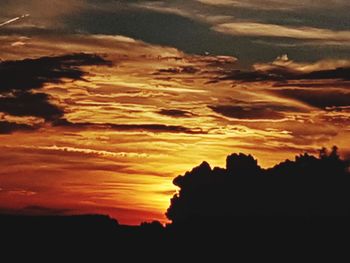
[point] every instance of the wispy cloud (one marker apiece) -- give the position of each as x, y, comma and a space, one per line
275, 4
283, 62
187, 10
89, 151
13, 20
281, 31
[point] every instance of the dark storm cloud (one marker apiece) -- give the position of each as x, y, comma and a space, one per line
19, 78
175, 113
317, 98
312, 84
285, 74
251, 112
29, 104
154, 127
249, 76
31, 74
339, 73
9, 127
314, 88
179, 70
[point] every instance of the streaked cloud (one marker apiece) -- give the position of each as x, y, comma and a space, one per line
321, 98
283, 69
282, 31
274, 4
248, 112
92, 151
283, 62
219, 27
175, 113
13, 20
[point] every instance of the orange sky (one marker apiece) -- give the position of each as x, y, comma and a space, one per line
152, 114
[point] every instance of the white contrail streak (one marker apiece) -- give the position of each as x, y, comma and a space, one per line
13, 20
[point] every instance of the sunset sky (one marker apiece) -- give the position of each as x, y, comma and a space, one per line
104, 102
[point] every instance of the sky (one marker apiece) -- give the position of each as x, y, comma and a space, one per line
103, 103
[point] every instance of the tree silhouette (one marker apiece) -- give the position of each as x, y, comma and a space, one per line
307, 186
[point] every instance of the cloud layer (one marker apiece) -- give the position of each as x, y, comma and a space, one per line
102, 103
246, 29
131, 108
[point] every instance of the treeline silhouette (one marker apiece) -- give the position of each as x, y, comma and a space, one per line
241, 209
308, 186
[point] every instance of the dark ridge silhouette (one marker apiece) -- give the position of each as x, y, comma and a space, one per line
308, 186
58, 224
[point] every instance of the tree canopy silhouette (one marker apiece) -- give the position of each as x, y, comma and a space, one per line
307, 186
